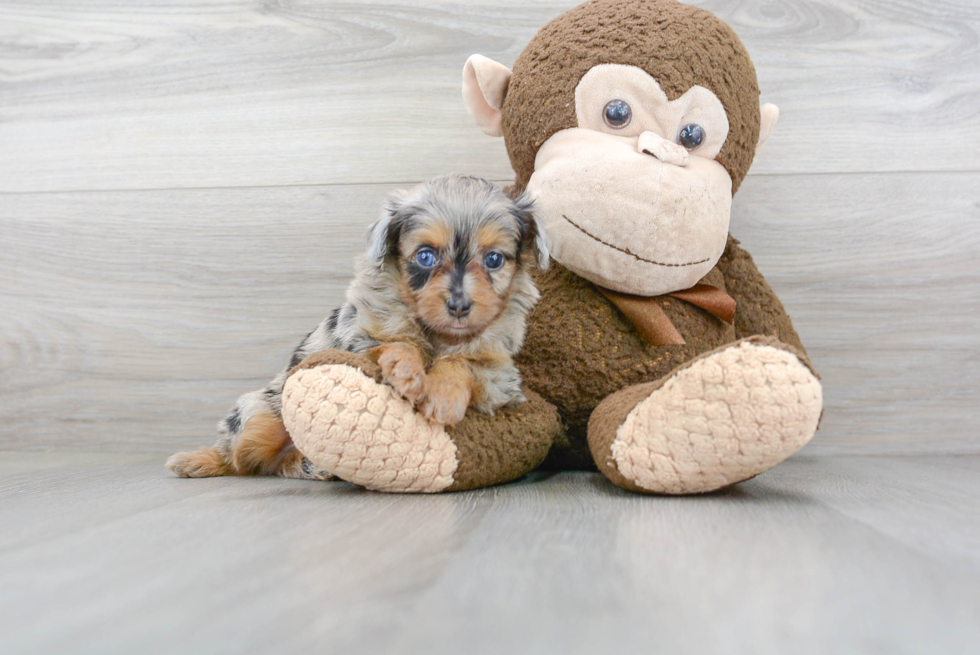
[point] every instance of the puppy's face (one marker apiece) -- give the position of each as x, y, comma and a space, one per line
457, 276
459, 242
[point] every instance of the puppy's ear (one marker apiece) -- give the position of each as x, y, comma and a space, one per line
532, 232
383, 234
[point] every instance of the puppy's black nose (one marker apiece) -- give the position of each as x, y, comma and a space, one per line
459, 305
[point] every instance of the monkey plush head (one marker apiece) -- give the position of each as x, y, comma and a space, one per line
631, 124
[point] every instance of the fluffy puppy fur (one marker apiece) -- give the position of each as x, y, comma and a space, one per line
440, 302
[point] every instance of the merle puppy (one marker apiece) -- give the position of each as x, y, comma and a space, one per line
440, 302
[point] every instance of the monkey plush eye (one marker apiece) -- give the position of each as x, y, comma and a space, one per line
426, 257
691, 136
493, 260
617, 114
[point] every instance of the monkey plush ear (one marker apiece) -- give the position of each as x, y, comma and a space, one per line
485, 85
770, 114
383, 234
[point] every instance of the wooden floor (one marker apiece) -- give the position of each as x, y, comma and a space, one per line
109, 554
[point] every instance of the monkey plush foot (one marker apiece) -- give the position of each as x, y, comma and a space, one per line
722, 418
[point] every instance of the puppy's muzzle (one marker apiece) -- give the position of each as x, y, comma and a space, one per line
459, 305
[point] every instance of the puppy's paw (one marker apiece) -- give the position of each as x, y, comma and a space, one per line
446, 400
402, 367
297, 467
203, 463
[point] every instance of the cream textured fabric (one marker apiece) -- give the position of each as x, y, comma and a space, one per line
626, 220
651, 143
770, 115
725, 418
651, 110
485, 85
363, 432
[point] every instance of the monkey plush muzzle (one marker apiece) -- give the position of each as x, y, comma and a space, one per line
627, 218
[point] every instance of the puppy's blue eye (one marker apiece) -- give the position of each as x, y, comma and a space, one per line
426, 257
493, 260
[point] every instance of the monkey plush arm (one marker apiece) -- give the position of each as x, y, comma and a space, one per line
345, 420
759, 311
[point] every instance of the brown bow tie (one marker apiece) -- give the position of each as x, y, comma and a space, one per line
653, 324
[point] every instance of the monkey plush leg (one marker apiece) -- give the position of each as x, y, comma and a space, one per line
345, 420
760, 311
723, 417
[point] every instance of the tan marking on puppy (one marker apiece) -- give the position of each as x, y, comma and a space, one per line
291, 466
403, 367
437, 235
488, 290
203, 463
495, 358
488, 302
258, 450
492, 236
430, 306
448, 389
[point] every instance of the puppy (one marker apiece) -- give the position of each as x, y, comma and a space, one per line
440, 302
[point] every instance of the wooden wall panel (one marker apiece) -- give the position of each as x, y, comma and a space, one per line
124, 95
183, 185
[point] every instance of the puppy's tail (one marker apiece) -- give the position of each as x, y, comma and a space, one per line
203, 463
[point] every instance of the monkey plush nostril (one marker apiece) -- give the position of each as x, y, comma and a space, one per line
651, 143
459, 305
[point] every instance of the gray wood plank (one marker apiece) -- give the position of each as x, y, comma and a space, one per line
927, 503
109, 95
568, 563
159, 302
132, 320
879, 273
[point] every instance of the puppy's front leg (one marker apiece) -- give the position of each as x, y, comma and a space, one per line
448, 391
402, 367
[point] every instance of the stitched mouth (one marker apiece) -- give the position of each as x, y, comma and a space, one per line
626, 251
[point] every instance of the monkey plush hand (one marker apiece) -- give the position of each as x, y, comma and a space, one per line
658, 352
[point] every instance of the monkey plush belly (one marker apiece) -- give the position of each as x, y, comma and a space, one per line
580, 349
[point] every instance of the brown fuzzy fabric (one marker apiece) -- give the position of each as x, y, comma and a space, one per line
604, 424
759, 310
580, 349
503, 447
353, 360
679, 45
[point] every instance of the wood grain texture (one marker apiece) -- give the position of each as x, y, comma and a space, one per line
132, 320
135, 317
108, 554
183, 186
880, 274
132, 95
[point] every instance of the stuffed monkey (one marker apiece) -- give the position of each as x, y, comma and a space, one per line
658, 353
